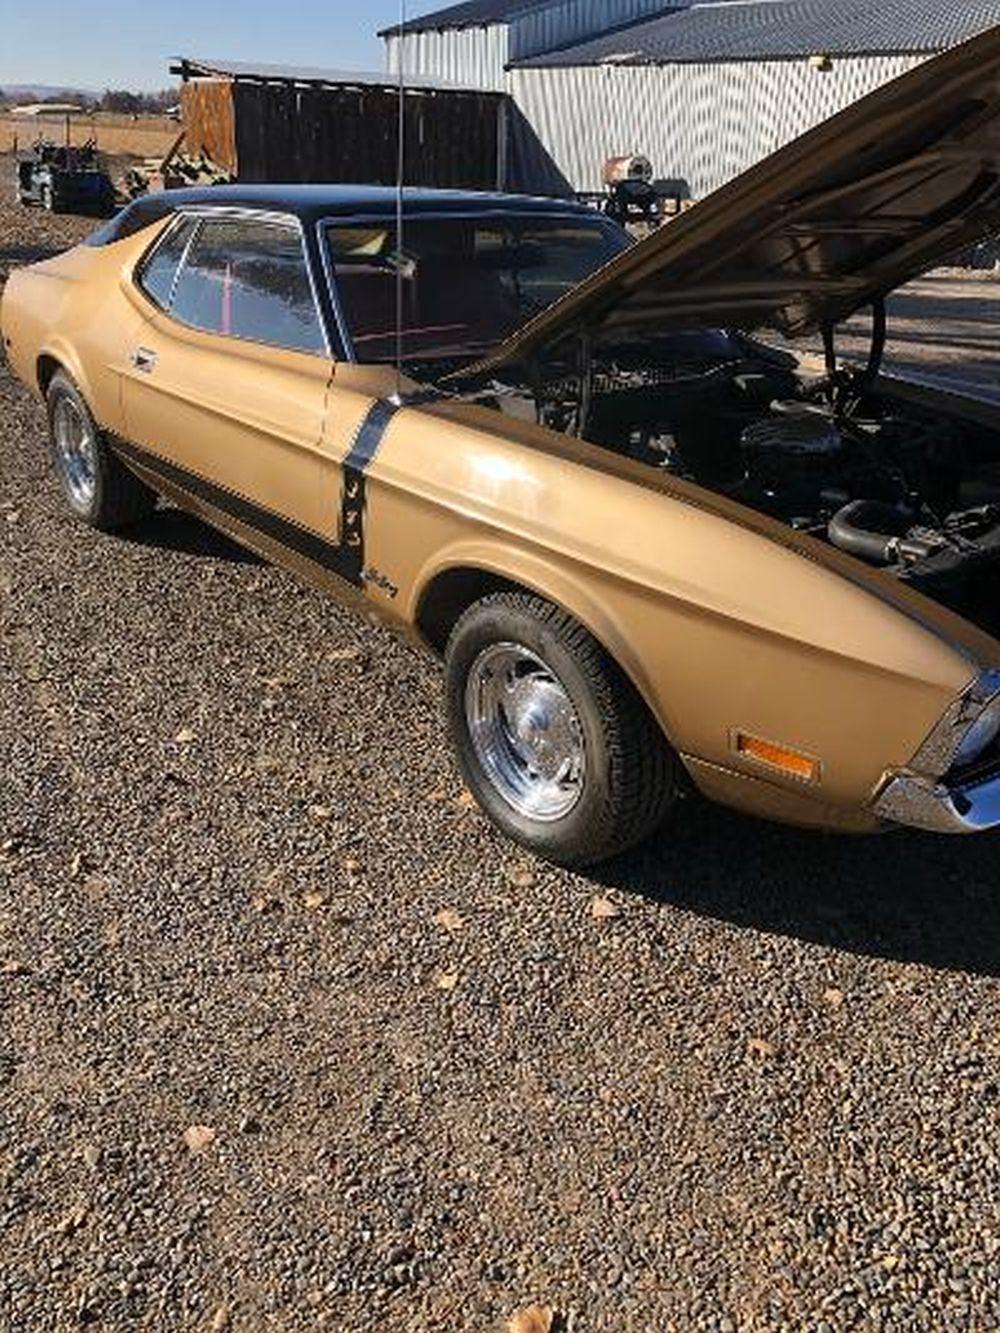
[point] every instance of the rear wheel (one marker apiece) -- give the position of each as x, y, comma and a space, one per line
98, 487
552, 738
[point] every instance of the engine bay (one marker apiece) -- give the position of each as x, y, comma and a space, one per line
905, 487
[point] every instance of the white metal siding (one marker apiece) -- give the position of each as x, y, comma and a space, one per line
473, 57
702, 124
699, 123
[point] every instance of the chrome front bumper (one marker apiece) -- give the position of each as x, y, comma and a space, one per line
920, 802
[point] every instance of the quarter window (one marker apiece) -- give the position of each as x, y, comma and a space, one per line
159, 271
248, 279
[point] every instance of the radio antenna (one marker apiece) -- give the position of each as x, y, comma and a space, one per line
400, 177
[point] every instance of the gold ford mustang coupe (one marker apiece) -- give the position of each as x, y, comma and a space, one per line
651, 547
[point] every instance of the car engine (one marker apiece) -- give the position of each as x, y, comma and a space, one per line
900, 487
904, 495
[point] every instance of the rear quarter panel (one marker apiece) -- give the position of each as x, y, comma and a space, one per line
73, 309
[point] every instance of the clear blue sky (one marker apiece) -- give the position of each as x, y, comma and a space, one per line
128, 43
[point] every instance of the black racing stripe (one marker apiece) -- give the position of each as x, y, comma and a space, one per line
353, 501
345, 558
370, 434
309, 544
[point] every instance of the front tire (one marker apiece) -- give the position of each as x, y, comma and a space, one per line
552, 738
99, 489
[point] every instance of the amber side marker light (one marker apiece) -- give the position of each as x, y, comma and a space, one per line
792, 762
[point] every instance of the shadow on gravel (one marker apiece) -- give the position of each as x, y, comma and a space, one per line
174, 530
903, 896
28, 254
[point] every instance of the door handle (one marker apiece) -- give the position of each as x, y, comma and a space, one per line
144, 359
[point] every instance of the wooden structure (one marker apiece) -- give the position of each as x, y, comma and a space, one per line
266, 123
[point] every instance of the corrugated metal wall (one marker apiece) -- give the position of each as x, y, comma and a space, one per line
473, 57
477, 57
701, 124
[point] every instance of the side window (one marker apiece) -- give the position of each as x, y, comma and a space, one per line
156, 277
248, 279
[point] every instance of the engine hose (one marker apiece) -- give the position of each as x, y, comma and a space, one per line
869, 530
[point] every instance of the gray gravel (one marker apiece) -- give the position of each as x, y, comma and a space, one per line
290, 1039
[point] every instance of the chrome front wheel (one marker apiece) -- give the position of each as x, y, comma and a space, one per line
525, 731
552, 739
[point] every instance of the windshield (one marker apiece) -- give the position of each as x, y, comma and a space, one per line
467, 283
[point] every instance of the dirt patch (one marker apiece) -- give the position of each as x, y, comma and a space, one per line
148, 136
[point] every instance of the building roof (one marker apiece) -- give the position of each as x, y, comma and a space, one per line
483, 13
782, 29
469, 14
190, 67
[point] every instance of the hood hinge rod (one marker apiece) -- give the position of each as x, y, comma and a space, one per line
880, 329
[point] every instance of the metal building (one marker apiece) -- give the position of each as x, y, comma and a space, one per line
703, 88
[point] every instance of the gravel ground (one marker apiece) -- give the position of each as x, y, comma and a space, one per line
290, 1039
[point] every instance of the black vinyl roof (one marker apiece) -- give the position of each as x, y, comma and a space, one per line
313, 203
782, 29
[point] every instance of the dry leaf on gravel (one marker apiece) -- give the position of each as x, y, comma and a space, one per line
521, 877
446, 981
532, 1319
73, 1220
199, 1137
603, 909
321, 813
221, 1319
313, 900
265, 902
759, 1048
344, 655
448, 919
184, 737
833, 996
465, 800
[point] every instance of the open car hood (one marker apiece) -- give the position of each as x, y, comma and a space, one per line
864, 202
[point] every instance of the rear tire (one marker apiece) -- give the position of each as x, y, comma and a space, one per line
552, 738
99, 489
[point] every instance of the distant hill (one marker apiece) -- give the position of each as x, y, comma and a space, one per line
36, 92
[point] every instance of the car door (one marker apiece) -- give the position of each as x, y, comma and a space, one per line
227, 384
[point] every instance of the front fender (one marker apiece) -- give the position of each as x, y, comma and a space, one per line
560, 582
